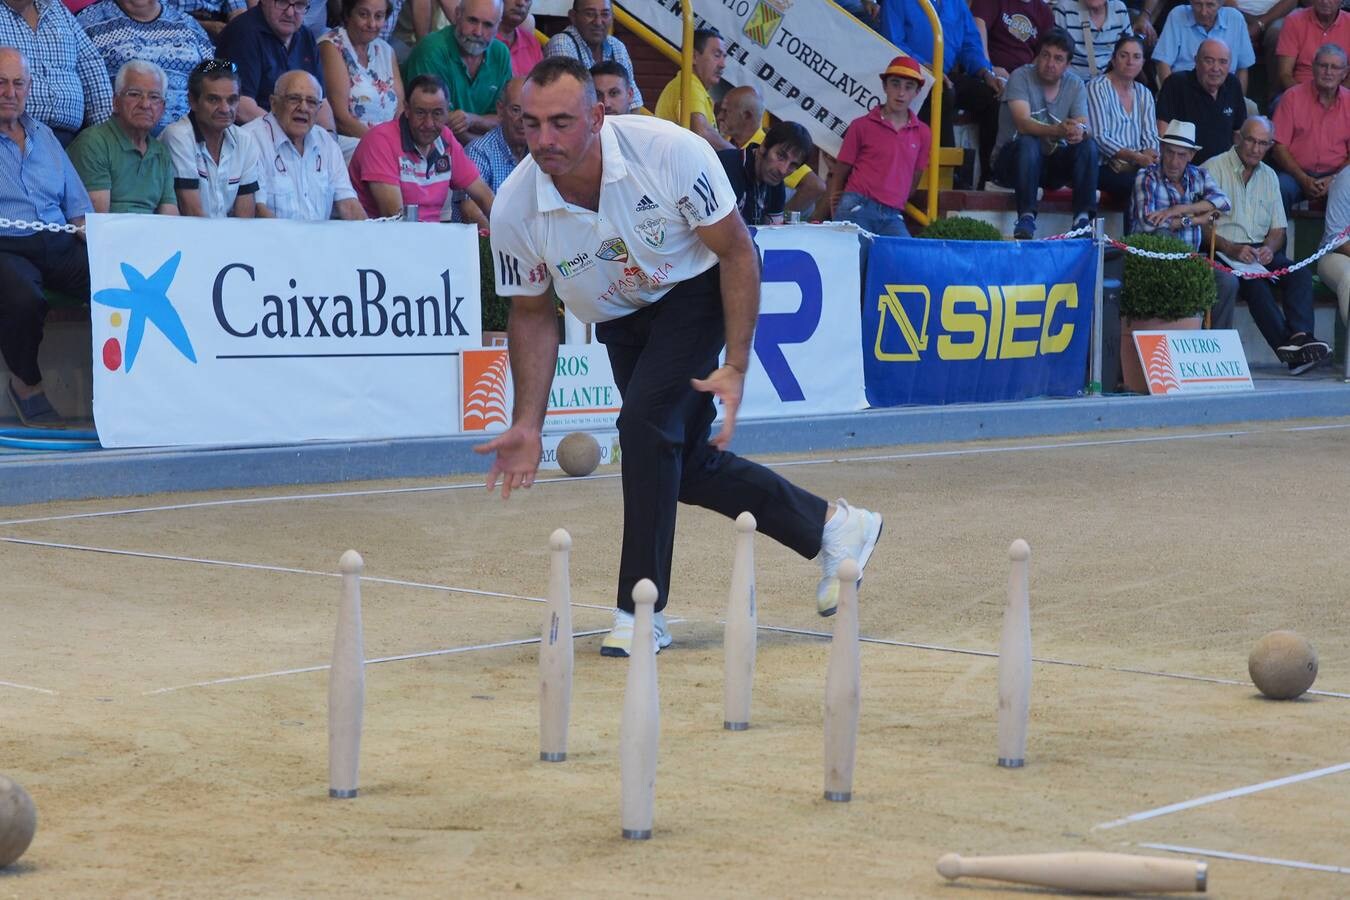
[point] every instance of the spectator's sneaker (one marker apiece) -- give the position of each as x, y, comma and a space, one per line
1025, 229
855, 538
620, 638
1082, 220
35, 411
1304, 352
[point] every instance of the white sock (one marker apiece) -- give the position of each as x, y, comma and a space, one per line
836, 521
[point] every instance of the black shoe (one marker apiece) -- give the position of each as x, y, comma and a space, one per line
1025, 229
1303, 352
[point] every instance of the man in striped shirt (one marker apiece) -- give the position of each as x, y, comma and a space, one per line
1173, 197
70, 87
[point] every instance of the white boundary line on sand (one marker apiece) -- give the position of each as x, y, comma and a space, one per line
262, 567
1040, 659
890, 457
370, 662
1243, 857
26, 687
1223, 795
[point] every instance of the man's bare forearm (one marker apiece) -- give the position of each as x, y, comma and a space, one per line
740, 301
532, 341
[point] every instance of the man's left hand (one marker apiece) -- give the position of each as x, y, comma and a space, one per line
726, 383
1264, 255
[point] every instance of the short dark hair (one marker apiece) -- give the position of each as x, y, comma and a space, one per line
551, 68
210, 68
702, 36
426, 82
795, 136
349, 5
1057, 37
612, 67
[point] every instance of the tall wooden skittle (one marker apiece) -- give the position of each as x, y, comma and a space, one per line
1100, 873
347, 684
843, 690
555, 653
1014, 662
741, 633
640, 730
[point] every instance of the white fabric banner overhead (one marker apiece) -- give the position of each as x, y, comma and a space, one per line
807, 357
269, 331
813, 63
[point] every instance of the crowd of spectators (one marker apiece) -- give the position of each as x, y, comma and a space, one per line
1194, 115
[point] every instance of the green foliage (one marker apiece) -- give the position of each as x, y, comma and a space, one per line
961, 228
1168, 289
496, 309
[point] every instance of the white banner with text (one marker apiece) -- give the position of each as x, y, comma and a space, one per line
224, 331
813, 63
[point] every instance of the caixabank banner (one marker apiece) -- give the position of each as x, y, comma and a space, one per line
229, 331
976, 321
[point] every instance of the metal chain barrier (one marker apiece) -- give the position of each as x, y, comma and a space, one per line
1322, 251
76, 229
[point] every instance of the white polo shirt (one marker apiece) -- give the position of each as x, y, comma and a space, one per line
295, 185
218, 183
659, 182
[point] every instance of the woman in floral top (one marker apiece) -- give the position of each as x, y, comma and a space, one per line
359, 71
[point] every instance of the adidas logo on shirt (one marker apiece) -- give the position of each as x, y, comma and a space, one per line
645, 204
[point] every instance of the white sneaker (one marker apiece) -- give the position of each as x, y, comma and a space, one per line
856, 538
620, 638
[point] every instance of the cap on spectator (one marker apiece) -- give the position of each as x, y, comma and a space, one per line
905, 68
1180, 134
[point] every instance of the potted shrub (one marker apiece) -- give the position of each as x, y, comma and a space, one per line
1159, 295
496, 309
961, 228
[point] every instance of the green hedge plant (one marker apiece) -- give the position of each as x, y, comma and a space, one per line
961, 228
1167, 289
496, 309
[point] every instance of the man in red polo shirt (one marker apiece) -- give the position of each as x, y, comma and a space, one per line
883, 153
1312, 129
414, 160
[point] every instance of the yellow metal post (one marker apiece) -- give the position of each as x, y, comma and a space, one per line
687, 62
926, 216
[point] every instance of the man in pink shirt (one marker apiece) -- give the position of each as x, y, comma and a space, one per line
883, 154
1305, 30
1312, 129
516, 31
414, 160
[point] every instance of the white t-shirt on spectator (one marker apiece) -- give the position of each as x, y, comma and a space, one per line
294, 185
218, 183
659, 183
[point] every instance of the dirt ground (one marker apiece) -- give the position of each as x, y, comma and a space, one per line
162, 767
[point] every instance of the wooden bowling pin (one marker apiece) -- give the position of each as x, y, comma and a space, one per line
346, 684
1087, 872
1014, 662
640, 730
738, 639
555, 654
843, 690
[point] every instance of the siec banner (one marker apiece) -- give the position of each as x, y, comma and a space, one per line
807, 352
813, 63
225, 331
966, 321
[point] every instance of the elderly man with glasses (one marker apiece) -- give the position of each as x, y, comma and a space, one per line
1252, 235
123, 166
587, 38
301, 172
1312, 129
266, 42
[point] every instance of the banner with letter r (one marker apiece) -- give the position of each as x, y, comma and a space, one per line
976, 321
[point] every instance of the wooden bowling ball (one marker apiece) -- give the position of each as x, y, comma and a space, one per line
578, 453
1283, 665
18, 821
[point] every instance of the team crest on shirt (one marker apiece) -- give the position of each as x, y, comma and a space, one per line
652, 232
645, 204
613, 250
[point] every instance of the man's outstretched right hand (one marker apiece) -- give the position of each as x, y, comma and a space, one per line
518, 450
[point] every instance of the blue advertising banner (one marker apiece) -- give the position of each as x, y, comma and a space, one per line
976, 321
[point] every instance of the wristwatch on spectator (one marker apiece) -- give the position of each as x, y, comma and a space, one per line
1186, 222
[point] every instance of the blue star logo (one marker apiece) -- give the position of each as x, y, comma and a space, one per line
147, 300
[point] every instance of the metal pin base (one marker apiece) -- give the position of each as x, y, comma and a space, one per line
342, 795
553, 757
1011, 763
1201, 877
839, 796
633, 835
736, 726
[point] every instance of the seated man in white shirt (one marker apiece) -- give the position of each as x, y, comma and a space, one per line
301, 172
215, 164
